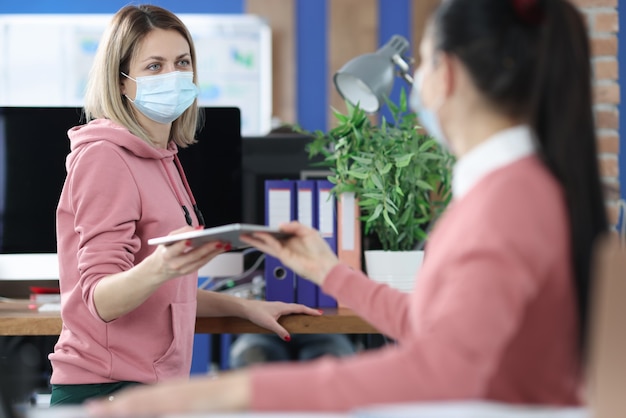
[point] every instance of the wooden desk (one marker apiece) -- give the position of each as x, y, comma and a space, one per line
17, 319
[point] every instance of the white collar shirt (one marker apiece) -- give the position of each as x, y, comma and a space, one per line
501, 149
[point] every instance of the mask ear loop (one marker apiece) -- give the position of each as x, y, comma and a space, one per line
436, 61
439, 102
130, 78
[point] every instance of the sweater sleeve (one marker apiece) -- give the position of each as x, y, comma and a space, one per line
491, 258
450, 354
387, 309
106, 204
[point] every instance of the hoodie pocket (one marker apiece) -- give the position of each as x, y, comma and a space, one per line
176, 361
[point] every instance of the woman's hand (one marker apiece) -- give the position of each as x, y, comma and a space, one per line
228, 392
266, 314
120, 293
179, 259
305, 252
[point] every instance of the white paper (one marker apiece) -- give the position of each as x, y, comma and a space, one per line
347, 221
279, 207
305, 207
326, 211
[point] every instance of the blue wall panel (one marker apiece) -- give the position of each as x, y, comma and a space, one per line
111, 6
312, 63
394, 19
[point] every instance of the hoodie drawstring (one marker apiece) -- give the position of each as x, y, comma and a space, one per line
196, 210
181, 172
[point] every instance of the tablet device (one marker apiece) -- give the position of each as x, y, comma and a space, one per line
226, 233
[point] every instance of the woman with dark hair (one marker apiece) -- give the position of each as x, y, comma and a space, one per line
500, 309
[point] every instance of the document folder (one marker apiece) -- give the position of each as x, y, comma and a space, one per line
349, 231
327, 225
280, 207
306, 291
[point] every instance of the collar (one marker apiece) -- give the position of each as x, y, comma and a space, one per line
499, 150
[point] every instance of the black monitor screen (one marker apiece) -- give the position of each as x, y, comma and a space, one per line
33, 147
273, 157
213, 166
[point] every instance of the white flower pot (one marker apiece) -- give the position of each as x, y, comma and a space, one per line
398, 269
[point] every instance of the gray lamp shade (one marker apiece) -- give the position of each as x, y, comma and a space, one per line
367, 80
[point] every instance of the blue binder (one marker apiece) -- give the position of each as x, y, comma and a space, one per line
327, 225
280, 206
306, 202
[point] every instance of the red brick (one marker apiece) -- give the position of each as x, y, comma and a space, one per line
606, 70
609, 167
604, 46
595, 3
607, 94
611, 189
607, 119
612, 212
608, 143
606, 22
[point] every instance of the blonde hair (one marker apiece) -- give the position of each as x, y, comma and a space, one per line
103, 97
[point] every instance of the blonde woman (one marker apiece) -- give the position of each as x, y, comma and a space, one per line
128, 308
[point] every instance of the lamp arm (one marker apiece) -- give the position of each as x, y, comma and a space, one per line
404, 68
406, 77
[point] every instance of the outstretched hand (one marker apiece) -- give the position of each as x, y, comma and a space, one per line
198, 395
120, 293
305, 252
266, 314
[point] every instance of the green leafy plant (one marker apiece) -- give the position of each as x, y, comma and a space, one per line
400, 175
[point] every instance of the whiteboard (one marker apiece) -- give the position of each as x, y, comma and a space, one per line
45, 61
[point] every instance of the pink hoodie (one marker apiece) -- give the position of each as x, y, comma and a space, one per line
120, 191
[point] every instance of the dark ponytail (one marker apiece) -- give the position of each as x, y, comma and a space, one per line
562, 115
533, 63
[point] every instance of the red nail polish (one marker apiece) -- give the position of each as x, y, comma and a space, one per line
287, 338
188, 243
200, 227
219, 245
228, 247
320, 311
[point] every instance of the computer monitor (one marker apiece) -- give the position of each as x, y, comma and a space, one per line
213, 166
274, 157
33, 148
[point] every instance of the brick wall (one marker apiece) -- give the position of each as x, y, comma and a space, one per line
603, 24
356, 34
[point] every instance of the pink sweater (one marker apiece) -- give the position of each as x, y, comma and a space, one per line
120, 191
492, 316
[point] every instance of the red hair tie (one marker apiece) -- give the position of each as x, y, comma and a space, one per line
528, 11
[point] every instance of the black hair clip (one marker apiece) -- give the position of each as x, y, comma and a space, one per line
529, 12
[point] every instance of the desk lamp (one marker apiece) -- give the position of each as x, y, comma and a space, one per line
368, 79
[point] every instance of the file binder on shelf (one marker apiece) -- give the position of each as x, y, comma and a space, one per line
327, 226
280, 206
306, 202
349, 231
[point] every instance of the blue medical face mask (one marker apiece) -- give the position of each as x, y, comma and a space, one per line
164, 97
427, 117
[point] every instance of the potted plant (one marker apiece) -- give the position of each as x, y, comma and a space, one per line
400, 175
